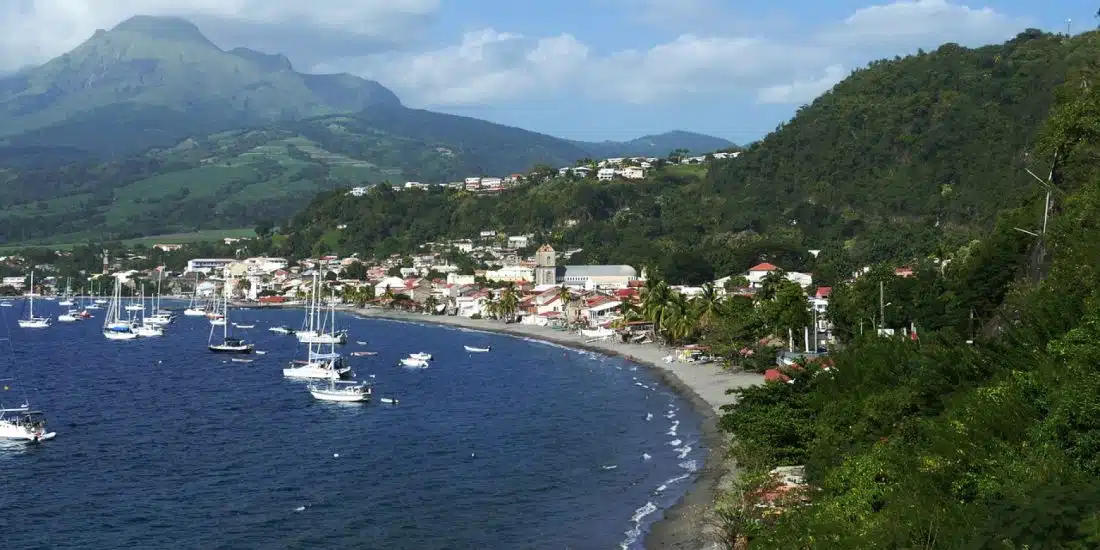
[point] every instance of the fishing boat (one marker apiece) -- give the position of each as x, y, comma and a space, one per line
24, 424
472, 349
114, 327
229, 343
346, 391
31, 321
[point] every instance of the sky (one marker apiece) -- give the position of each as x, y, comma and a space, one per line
581, 69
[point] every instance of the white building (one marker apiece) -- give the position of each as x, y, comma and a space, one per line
358, 191
633, 173
15, 282
605, 174
206, 265
518, 241
757, 273
511, 273
456, 279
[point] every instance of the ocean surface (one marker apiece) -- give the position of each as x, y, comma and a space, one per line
161, 444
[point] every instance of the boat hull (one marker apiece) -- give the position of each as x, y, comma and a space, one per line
34, 323
476, 350
239, 350
414, 363
194, 312
338, 396
119, 335
12, 431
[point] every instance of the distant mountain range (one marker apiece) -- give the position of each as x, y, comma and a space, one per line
153, 81
150, 127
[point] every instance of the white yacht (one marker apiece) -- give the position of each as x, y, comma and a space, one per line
422, 356
23, 424
325, 366
414, 363
31, 321
348, 391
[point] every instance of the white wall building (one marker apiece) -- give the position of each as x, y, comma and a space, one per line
511, 273
633, 173
605, 174
206, 265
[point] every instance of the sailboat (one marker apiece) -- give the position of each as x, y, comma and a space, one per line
193, 309
92, 303
67, 298
229, 344
144, 329
159, 317
31, 321
314, 333
114, 327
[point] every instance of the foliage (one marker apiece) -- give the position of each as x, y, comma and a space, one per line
940, 443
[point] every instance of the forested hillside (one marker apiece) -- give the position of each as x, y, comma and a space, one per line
906, 159
937, 442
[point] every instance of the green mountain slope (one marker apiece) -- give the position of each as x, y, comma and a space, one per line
162, 73
936, 141
901, 158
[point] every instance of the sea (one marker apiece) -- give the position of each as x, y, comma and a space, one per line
162, 444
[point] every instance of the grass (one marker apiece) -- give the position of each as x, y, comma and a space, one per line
64, 242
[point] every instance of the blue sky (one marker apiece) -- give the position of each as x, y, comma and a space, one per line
591, 70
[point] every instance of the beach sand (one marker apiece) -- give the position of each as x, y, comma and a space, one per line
682, 527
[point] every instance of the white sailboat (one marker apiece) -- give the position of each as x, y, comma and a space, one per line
114, 327
193, 309
159, 317
144, 329
67, 298
315, 333
327, 366
31, 321
346, 391
229, 343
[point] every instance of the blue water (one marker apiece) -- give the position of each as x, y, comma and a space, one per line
162, 444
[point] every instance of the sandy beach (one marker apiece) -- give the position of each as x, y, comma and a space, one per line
682, 527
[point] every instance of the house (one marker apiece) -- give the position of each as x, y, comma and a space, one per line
518, 241
582, 171
491, 183
602, 313
395, 285
15, 282
605, 174
757, 273
633, 173
473, 184
904, 272
357, 191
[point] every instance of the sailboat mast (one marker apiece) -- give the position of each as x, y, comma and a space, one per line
32, 295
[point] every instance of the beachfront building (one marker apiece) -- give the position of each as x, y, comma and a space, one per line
547, 272
206, 265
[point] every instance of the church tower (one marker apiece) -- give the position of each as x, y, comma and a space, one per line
546, 270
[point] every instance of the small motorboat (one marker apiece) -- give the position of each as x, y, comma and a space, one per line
422, 356
260, 352
389, 400
244, 326
361, 343
472, 349
414, 363
231, 345
6, 303
363, 353
239, 360
69, 317
281, 330
349, 391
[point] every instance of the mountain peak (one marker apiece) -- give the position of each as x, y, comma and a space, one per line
164, 28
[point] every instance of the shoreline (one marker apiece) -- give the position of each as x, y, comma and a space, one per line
681, 526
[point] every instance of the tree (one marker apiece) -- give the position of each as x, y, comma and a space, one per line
355, 270
264, 228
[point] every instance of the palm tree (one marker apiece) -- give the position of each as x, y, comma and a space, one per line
655, 301
509, 302
708, 304
430, 304
566, 297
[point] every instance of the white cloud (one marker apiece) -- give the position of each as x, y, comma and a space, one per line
490, 66
32, 31
802, 91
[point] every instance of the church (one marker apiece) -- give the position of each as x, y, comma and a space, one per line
548, 272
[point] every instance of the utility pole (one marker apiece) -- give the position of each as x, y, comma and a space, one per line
881, 307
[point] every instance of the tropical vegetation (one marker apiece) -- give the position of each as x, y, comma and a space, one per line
980, 433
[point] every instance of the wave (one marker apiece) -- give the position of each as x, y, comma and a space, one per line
672, 429
609, 467
675, 442
690, 465
635, 532
684, 451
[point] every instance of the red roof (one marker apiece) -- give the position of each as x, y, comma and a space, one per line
763, 267
824, 291
626, 293
773, 375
